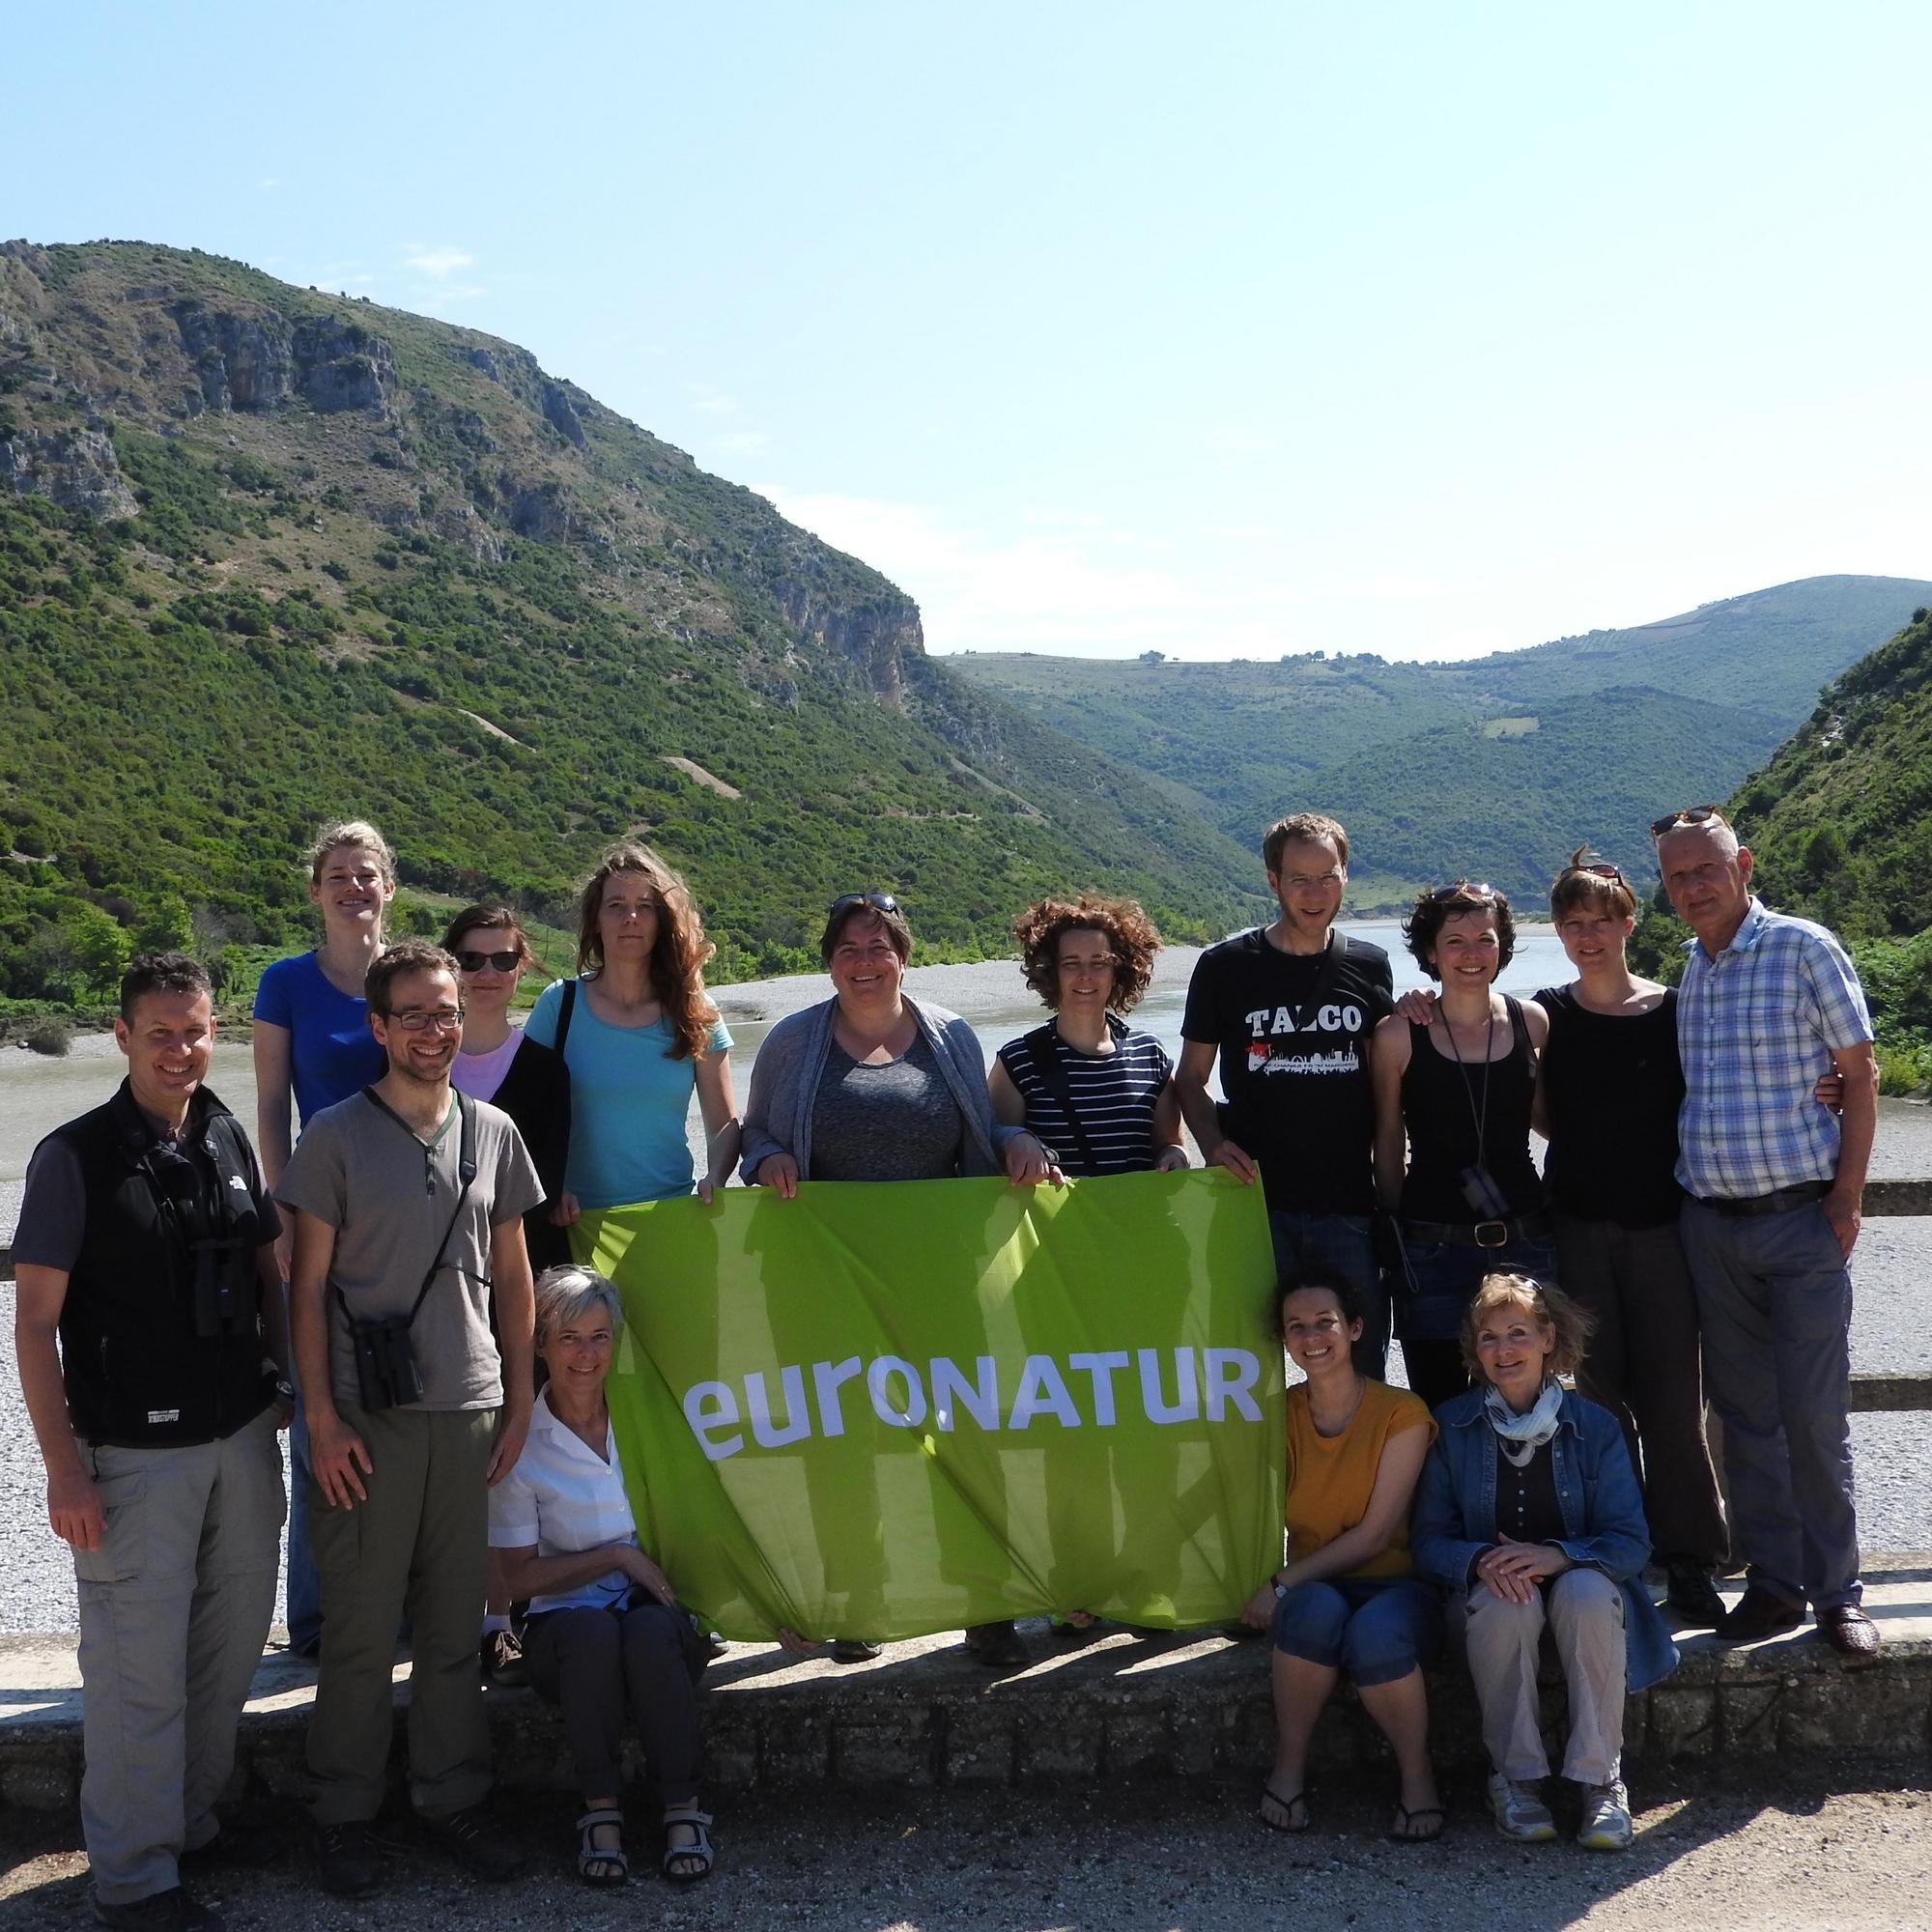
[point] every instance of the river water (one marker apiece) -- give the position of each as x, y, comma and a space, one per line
1895, 1257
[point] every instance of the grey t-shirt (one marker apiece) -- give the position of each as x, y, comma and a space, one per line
891, 1122
389, 1196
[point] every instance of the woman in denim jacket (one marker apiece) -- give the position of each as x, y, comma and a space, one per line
1529, 1515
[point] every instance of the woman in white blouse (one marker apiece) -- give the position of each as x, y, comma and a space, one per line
605, 1633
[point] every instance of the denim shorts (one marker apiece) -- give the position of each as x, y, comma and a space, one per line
1377, 1629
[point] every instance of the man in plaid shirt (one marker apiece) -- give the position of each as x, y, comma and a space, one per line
1775, 1183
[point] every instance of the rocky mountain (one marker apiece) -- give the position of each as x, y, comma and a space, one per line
268, 554
1496, 767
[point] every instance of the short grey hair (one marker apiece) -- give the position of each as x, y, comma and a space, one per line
564, 1294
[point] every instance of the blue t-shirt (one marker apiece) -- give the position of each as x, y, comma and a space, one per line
332, 1053
628, 1104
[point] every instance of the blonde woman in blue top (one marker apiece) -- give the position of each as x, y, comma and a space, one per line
640, 1036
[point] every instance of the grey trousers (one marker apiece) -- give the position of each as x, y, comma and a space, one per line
1774, 1298
1583, 1610
174, 1611
417, 1548
598, 1664
1644, 1366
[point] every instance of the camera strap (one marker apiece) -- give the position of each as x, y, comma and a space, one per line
465, 1168
1044, 1045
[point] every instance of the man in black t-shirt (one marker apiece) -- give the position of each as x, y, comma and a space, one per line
1287, 1010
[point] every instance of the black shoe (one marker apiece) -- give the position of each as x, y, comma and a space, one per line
471, 1839
853, 1650
1692, 1594
998, 1646
1849, 1632
501, 1657
172, 1911
1759, 1614
346, 1859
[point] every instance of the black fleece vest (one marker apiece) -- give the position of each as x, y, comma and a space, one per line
160, 1346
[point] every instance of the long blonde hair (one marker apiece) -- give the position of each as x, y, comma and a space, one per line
678, 953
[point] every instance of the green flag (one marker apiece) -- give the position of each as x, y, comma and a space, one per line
875, 1412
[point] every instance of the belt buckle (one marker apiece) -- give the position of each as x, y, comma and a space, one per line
1484, 1238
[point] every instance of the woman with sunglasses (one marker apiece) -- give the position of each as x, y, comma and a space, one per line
495, 1061
1456, 1093
872, 1084
640, 1036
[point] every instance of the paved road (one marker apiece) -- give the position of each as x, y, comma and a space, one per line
1823, 1848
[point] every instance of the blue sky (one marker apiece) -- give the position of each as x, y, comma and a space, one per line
1227, 330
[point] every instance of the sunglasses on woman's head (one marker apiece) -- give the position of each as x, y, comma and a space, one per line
1692, 814
1463, 890
1600, 870
879, 901
503, 962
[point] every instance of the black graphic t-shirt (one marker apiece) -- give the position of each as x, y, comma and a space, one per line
1291, 1030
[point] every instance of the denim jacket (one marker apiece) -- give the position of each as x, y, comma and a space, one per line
1596, 1489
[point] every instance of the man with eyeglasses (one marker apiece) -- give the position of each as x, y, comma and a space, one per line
1287, 1009
408, 1202
1774, 1181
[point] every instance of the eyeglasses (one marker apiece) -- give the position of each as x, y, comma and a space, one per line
1463, 889
1599, 868
415, 1020
1692, 814
878, 901
503, 962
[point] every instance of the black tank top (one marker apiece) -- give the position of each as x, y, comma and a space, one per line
1613, 1084
1440, 1103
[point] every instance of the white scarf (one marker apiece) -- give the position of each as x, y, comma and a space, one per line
1520, 1436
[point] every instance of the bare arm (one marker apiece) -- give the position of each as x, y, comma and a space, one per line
1009, 1103
515, 1316
74, 1504
1396, 1478
1388, 1062
724, 1132
1169, 1149
335, 1452
1857, 1124
274, 1095
1536, 1020
1197, 1109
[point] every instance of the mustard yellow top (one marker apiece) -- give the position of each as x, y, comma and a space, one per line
1330, 1478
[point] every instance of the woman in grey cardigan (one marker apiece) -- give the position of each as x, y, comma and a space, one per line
872, 1085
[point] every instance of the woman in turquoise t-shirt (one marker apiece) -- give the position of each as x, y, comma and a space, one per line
641, 1036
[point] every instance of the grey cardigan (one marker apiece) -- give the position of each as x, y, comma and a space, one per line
784, 1085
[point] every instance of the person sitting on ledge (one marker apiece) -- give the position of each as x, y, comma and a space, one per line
1347, 1599
1529, 1515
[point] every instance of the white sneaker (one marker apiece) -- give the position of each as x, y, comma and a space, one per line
1607, 1817
1519, 1810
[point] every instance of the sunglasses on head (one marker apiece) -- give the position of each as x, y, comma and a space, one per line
1463, 888
503, 962
879, 901
1597, 868
1692, 814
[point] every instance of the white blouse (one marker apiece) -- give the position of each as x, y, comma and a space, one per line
564, 1498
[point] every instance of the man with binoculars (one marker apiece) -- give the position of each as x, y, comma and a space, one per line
408, 1202
146, 1246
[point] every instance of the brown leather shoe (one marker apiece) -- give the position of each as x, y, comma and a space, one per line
1849, 1632
1759, 1613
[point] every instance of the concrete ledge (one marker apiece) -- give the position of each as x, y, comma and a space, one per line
1124, 1706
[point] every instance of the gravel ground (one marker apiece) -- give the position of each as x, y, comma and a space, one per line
1823, 1848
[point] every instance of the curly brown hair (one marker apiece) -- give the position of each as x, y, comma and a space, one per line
678, 953
1129, 933
1434, 909
1549, 1307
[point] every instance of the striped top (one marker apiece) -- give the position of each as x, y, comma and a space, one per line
1756, 1026
1113, 1094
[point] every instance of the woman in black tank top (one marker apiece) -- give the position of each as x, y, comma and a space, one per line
1456, 1095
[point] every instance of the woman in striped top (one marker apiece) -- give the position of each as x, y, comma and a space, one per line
1096, 1092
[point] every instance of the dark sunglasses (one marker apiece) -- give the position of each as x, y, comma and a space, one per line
1599, 868
879, 901
504, 962
1692, 814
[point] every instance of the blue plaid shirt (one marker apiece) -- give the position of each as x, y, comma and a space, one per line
1757, 1027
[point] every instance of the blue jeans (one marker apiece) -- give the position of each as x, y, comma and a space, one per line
1342, 1246
1377, 1629
1441, 1279
1774, 1298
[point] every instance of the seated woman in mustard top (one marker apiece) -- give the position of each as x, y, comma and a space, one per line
1347, 1600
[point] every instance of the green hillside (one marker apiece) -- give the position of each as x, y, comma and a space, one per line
1839, 824
1441, 768
270, 555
